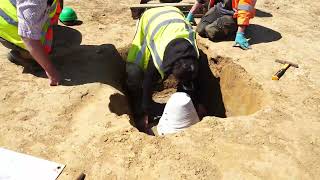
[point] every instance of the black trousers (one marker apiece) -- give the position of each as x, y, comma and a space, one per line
216, 24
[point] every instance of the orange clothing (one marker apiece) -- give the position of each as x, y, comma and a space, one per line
49, 35
244, 10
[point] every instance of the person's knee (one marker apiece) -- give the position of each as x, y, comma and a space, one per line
221, 28
228, 24
212, 31
201, 29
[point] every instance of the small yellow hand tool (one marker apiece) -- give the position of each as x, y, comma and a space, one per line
286, 65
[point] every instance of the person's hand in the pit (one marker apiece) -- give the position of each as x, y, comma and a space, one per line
146, 121
39, 54
143, 124
54, 77
147, 128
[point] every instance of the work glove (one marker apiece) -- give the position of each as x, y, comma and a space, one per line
241, 41
190, 17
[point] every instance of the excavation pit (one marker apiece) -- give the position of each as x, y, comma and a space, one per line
229, 89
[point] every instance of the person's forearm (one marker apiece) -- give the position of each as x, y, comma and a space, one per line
147, 95
38, 53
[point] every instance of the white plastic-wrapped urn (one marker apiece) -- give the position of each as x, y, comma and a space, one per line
179, 113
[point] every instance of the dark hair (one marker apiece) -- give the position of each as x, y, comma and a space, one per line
185, 69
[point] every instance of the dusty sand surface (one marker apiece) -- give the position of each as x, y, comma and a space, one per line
272, 130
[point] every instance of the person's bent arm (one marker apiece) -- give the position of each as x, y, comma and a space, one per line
32, 15
38, 53
150, 76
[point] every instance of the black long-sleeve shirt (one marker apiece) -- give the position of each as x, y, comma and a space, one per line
152, 76
178, 49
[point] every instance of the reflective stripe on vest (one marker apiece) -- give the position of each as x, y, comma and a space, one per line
53, 9
47, 37
13, 2
245, 7
8, 18
155, 31
144, 46
249, 6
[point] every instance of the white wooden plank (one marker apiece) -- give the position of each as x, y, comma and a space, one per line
16, 166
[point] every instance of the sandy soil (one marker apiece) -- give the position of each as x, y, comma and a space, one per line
272, 130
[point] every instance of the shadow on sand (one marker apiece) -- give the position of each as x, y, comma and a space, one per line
261, 13
256, 33
210, 90
260, 34
83, 64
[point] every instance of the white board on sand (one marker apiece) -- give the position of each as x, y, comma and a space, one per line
16, 166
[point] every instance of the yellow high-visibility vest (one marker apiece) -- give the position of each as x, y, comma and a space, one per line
9, 23
156, 29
